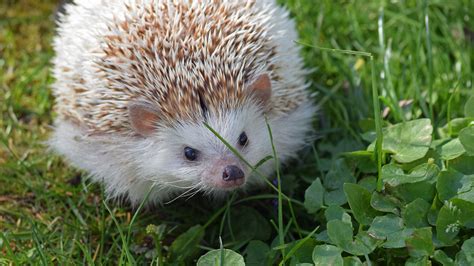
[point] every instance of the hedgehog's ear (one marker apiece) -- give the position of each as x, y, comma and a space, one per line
261, 88
143, 117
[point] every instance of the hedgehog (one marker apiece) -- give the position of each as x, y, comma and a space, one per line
140, 83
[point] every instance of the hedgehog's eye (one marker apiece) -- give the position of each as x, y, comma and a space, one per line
190, 153
243, 140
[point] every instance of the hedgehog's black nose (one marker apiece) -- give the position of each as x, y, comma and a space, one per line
232, 172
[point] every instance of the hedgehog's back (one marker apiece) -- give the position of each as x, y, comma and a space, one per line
175, 55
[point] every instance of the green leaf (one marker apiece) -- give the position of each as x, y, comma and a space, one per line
451, 149
468, 249
408, 141
256, 253
442, 258
220, 258
185, 245
335, 197
327, 255
469, 107
394, 175
313, 196
369, 182
455, 125
455, 214
323, 236
384, 202
463, 164
362, 160
337, 213
461, 259
420, 243
359, 201
447, 225
340, 234
418, 261
466, 255
414, 213
410, 192
383, 226
389, 227
452, 184
333, 182
466, 136
352, 261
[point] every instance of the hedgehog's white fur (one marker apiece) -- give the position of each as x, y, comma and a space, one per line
92, 129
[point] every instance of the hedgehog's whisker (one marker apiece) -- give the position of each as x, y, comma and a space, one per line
186, 193
193, 194
190, 193
171, 184
176, 186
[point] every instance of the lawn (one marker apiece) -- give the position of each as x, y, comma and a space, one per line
389, 179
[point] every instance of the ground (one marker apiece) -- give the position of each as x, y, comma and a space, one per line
422, 68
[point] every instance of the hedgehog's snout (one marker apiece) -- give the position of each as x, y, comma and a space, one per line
224, 174
232, 173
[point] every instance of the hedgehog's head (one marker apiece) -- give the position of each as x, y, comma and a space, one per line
188, 154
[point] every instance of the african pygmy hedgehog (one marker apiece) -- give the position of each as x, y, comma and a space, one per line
137, 81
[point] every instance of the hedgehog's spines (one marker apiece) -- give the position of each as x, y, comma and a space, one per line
174, 54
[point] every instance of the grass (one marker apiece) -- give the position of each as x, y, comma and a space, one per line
422, 52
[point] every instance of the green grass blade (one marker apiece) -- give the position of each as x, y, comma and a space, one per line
281, 234
430, 62
85, 252
378, 127
39, 247
135, 215
342, 51
125, 247
8, 249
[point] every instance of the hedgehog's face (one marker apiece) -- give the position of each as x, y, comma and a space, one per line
204, 157
224, 172
191, 155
